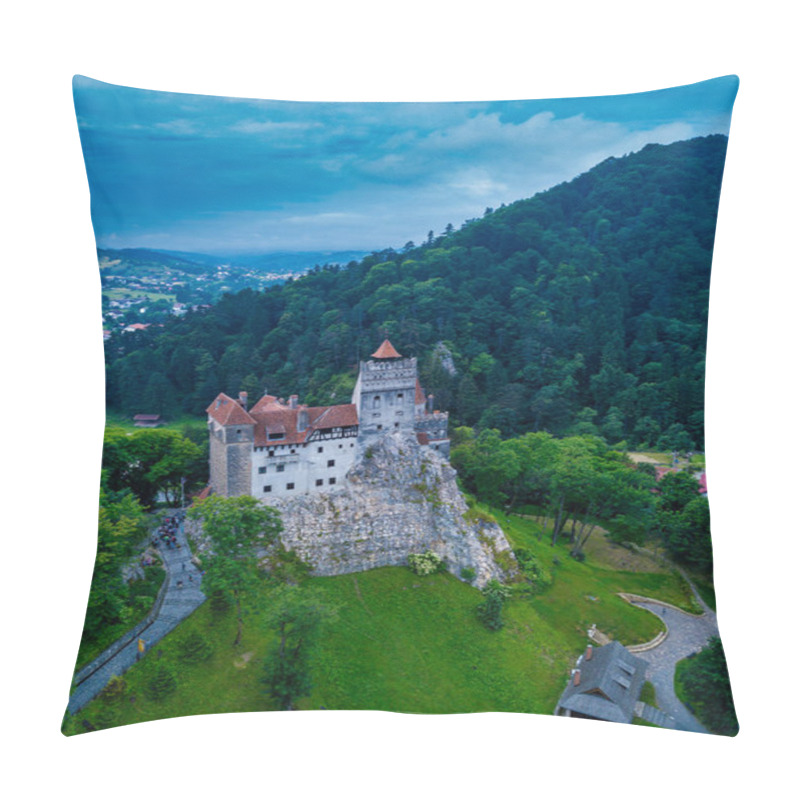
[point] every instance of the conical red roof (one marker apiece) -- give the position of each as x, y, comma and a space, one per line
386, 350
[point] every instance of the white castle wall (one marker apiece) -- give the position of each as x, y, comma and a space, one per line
304, 467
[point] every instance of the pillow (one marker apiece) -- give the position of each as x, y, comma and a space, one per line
404, 407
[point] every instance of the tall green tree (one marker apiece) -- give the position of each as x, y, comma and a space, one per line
150, 461
235, 525
121, 526
295, 615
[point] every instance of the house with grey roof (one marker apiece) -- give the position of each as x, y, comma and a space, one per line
604, 685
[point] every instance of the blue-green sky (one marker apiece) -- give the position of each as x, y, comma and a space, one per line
226, 175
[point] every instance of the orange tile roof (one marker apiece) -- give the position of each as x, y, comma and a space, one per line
386, 350
227, 411
273, 418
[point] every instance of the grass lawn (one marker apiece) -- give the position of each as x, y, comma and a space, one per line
705, 589
115, 419
119, 293
648, 694
412, 644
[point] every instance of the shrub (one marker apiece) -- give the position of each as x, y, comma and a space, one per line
425, 563
161, 683
106, 717
475, 514
533, 569
468, 574
114, 690
194, 649
491, 609
220, 603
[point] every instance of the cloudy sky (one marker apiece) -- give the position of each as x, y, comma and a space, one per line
224, 175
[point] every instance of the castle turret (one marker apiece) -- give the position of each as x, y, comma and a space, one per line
231, 435
385, 393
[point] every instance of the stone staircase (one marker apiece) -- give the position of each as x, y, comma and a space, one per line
653, 715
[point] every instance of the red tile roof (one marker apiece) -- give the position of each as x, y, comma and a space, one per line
423, 438
227, 411
386, 350
272, 417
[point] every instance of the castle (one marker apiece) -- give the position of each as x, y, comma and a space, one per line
281, 449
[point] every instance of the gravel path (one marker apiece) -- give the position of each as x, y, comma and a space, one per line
686, 635
179, 602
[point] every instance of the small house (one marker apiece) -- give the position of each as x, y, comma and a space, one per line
604, 685
147, 420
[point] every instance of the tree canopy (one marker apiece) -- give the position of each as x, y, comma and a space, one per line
591, 295
235, 525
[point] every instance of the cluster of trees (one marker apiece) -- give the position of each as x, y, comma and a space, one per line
153, 462
578, 481
122, 527
580, 310
703, 681
292, 611
683, 521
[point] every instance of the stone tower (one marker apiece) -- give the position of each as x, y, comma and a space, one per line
231, 435
385, 393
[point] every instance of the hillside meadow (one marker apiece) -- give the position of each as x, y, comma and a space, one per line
412, 644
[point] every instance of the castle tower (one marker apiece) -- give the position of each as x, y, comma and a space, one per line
385, 393
231, 433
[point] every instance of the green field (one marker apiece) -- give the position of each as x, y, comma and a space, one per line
119, 293
413, 644
117, 420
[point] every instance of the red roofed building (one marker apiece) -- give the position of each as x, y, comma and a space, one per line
279, 448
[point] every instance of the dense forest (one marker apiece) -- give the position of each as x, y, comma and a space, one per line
581, 310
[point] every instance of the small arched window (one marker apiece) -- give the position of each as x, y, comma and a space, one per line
376, 401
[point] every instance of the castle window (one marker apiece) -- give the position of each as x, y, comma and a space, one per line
331, 481
340, 447
319, 449
331, 462
380, 427
400, 396
397, 424
267, 488
293, 451
273, 436
319, 482
271, 453
262, 470
376, 401
281, 467
290, 486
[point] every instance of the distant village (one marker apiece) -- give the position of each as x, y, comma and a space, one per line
135, 301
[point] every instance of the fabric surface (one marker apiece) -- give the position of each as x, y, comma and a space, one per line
404, 407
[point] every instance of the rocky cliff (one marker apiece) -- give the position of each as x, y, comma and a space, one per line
398, 498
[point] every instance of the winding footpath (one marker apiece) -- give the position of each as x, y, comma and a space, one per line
183, 594
686, 634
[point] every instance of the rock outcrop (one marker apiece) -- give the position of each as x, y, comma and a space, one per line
398, 498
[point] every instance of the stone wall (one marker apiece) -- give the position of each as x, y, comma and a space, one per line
230, 456
398, 498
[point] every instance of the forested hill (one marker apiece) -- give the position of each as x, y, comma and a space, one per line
582, 309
